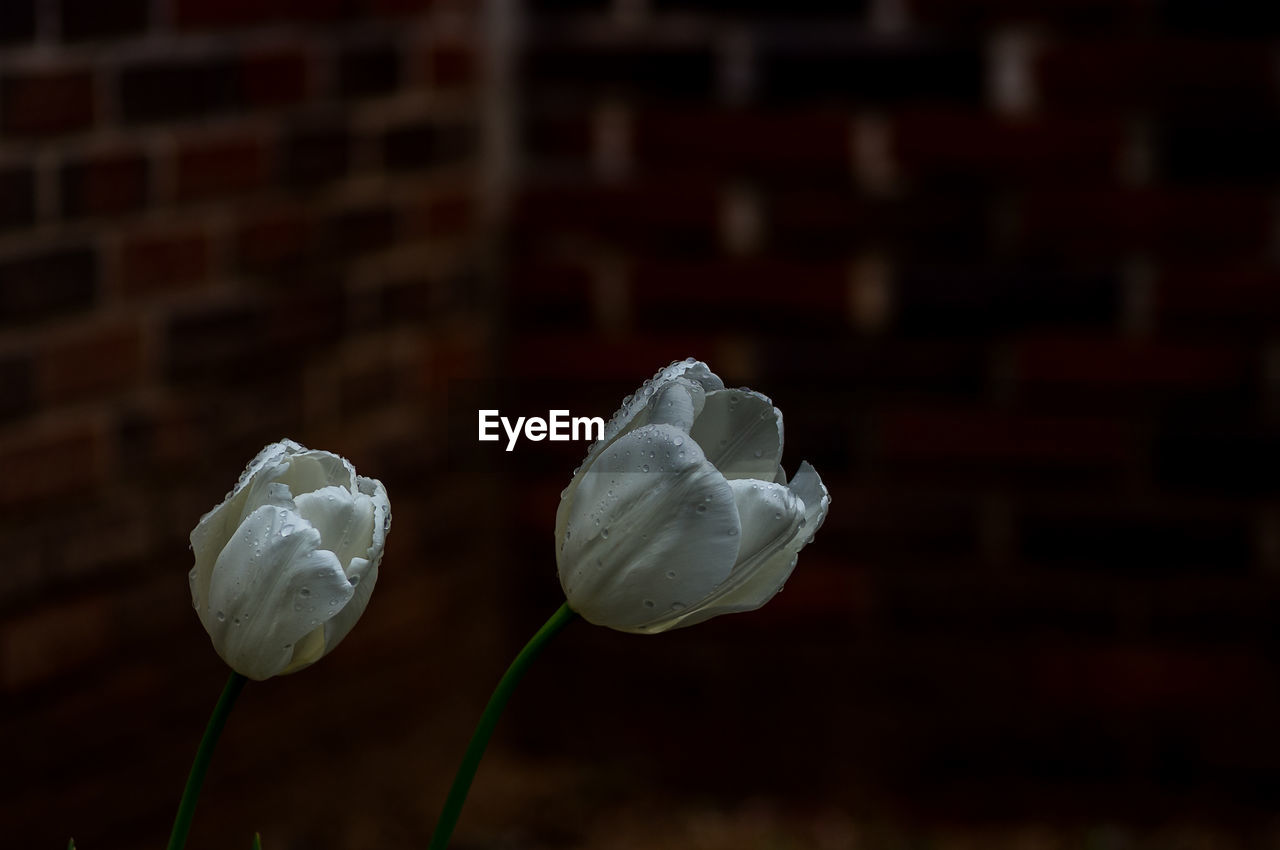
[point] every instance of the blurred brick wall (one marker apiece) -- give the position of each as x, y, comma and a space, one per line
221, 223
1010, 271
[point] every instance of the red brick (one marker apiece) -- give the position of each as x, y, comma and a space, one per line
774, 142
1181, 75
1002, 437
397, 7
1138, 678
1105, 223
157, 262
557, 137
1122, 364
53, 640
451, 65
66, 462
111, 535
47, 104
964, 145
275, 239
627, 361
438, 214
1208, 297
217, 14
815, 289
210, 169
661, 218
271, 78
94, 362
1089, 15
105, 184
456, 356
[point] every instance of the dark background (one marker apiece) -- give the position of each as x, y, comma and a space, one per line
1009, 269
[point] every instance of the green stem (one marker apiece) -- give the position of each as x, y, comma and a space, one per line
484, 729
199, 767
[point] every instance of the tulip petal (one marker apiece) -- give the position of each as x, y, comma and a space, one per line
771, 514
677, 403
633, 414
344, 520
759, 576
652, 529
271, 586
362, 572
741, 433
285, 462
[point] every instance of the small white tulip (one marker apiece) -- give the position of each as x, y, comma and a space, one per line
682, 511
286, 564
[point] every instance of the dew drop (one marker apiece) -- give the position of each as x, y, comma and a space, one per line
304, 592
651, 454
644, 468
671, 573
803, 522
604, 533
677, 606
221, 617
702, 509
236, 621
733, 532
777, 515
678, 442
759, 453
356, 579
648, 603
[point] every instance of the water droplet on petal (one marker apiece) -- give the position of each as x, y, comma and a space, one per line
677, 606
604, 533
304, 592
671, 573
733, 532
221, 617
644, 468
702, 509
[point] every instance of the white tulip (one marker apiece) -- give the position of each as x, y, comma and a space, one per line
286, 564
682, 511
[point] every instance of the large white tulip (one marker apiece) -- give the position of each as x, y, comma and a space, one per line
286, 564
682, 511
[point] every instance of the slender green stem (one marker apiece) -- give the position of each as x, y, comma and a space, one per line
199, 767
488, 720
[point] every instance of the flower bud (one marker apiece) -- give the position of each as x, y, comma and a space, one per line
682, 511
286, 564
